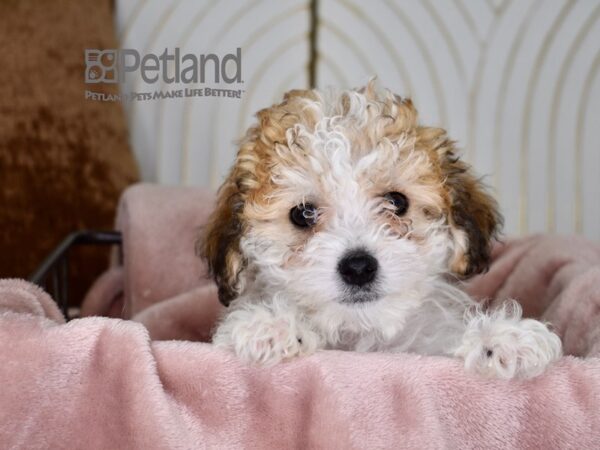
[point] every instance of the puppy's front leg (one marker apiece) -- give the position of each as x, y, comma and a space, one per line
503, 345
266, 333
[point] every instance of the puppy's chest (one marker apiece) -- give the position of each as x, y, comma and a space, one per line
413, 338
364, 341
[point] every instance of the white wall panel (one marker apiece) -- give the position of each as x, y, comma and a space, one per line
516, 82
513, 81
192, 140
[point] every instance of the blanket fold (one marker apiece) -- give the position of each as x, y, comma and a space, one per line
102, 383
153, 381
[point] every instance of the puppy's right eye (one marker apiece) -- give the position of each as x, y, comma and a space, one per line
304, 215
399, 200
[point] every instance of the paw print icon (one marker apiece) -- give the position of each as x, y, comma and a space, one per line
101, 66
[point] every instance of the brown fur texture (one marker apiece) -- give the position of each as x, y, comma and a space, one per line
63, 159
471, 208
249, 179
442, 185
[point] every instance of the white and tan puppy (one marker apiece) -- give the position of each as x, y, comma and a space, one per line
345, 224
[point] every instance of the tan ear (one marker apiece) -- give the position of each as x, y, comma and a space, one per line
219, 243
474, 213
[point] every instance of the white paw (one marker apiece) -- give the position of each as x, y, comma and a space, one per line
502, 345
258, 334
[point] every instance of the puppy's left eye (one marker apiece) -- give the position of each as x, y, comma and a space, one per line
399, 200
304, 215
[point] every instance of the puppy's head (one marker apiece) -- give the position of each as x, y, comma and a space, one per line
344, 199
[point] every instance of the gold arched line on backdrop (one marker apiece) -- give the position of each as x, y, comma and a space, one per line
281, 49
448, 38
261, 31
183, 40
476, 86
234, 19
583, 106
160, 24
490, 4
343, 37
160, 109
198, 17
137, 9
196, 20
469, 21
396, 60
339, 73
181, 43
540, 58
429, 61
285, 46
564, 68
285, 83
501, 97
163, 19
497, 10
249, 43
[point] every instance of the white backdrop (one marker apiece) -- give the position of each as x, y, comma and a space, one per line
516, 83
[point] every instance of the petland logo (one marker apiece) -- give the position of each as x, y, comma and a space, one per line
116, 66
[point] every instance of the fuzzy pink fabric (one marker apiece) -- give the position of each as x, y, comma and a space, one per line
160, 226
101, 382
162, 283
555, 278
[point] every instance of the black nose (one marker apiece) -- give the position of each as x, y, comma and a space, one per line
358, 268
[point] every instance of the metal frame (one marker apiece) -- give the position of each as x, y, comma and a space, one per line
57, 263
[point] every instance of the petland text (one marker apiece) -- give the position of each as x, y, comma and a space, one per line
116, 65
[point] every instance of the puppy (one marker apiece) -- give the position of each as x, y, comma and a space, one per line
345, 224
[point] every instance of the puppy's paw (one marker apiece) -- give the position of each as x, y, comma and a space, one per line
259, 335
502, 345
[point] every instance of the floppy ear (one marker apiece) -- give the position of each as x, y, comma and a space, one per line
474, 217
220, 242
472, 213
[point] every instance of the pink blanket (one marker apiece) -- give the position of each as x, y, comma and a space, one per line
105, 383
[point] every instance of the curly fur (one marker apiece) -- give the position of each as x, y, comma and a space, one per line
343, 151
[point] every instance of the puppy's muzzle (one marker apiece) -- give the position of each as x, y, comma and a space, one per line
358, 268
